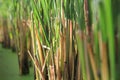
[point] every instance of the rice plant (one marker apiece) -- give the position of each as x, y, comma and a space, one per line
68, 39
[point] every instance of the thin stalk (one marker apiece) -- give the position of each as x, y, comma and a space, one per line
104, 62
40, 50
110, 34
79, 37
36, 66
92, 60
71, 53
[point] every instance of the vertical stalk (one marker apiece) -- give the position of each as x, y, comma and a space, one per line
79, 36
110, 34
103, 56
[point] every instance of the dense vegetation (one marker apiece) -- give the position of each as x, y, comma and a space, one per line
65, 39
